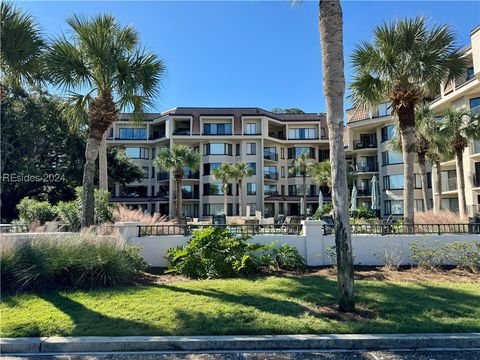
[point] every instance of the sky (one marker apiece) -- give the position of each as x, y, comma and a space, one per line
247, 53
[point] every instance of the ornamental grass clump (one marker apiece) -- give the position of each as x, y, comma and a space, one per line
68, 262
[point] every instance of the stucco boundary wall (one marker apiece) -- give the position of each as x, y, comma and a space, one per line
312, 245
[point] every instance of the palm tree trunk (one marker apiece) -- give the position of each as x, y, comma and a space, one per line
462, 203
225, 198
91, 152
331, 38
179, 205
304, 180
422, 164
438, 206
102, 164
240, 198
406, 116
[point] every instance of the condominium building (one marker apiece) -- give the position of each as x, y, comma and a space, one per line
463, 92
266, 141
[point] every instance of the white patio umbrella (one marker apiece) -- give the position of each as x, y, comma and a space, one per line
302, 206
320, 199
375, 194
354, 198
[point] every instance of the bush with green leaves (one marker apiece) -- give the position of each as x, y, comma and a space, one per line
69, 213
362, 213
427, 255
72, 261
286, 257
215, 252
465, 255
323, 210
31, 210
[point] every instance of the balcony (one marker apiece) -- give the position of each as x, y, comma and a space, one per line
360, 145
364, 192
181, 132
277, 135
270, 156
366, 168
190, 195
161, 176
155, 136
270, 176
271, 192
191, 175
162, 194
449, 184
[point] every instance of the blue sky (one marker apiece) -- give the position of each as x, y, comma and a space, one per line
249, 53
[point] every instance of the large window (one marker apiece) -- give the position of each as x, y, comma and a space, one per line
383, 109
388, 132
251, 189
270, 153
450, 204
217, 129
209, 167
136, 152
393, 182
391, 158
217, 149
302, 133
216, 189
418, 205
297, 190
270, 172
475, 105
251, 129
295, 152
251, 148
393, 207
133, 133
216, 209
270, 189
253, 167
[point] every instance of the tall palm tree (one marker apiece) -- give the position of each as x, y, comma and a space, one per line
174, 160
224, 173
459, 127
331, 39
241, 171
322, 173
406, 62
105, 70
22, 47
301, 166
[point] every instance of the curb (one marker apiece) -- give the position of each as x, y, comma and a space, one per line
241, 343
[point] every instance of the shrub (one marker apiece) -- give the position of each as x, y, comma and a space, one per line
325, 209
391, 255
286, 257
75, 261
215, 252
439, 217
70, 214
465, 255
427, 256
362, 213
122, 213
31, 210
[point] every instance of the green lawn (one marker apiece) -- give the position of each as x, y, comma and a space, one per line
268, 305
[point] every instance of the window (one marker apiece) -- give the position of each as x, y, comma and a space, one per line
251, 148
282, 190
475, 105
270, 172
153, 173
270, 153
251, 129
296, 151
282, 171
470, 73
217, 129
216, 189
237, 149
145, 172
383, 109
251, 189
450, 204
133, 133
323, 155
216, 209
393, 207
297, 190
270, 189
153, 153
429, 180
393, 182
209, 167
418, 205
302, 133
391, 158
187, 191
136, 152
253, 166
282, 153
323, 133
253, 208
388, 132
418, 181
217, 149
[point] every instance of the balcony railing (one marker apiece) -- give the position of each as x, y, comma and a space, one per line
449, 184
191, 175
366, 167
181, 132
270, 156
277, 135
163, 176
361, 144
271, 192
190, 195
270, 176
364, 192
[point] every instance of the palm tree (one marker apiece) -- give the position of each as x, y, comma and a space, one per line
224, 173
322, 173
406, 62
301, 166
22, 47
241, 171
459, 127
103, 67
174, 160
425, 131
331, 38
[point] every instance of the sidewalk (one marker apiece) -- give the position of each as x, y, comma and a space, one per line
239, 343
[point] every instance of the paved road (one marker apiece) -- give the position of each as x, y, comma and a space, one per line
338, 355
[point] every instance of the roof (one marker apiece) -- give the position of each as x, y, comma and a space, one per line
230, 111
357, 114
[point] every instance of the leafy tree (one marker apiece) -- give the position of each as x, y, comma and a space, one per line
224, 173
288, 111
22, 47
406, 62
104, 68
458, 128
241, 171
121, 169
175, 159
